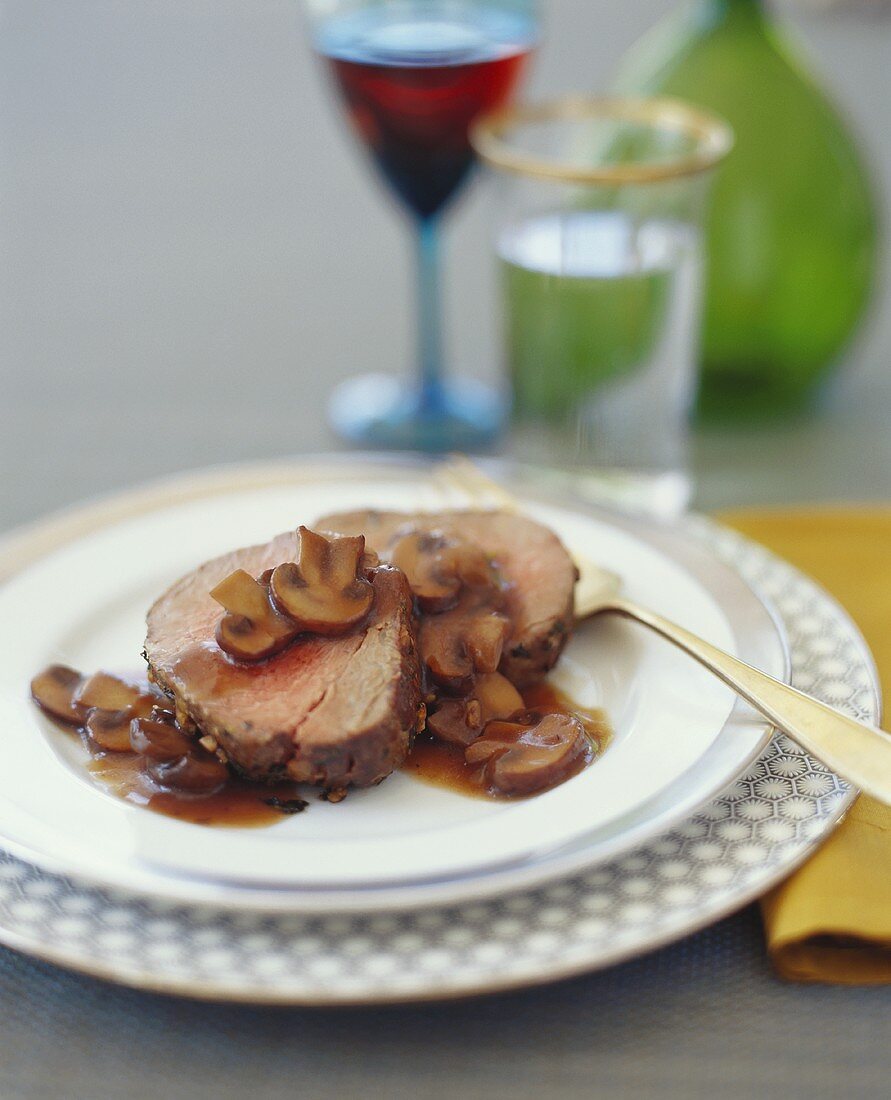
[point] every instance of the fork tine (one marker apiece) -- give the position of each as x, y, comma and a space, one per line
458, 473
450, 486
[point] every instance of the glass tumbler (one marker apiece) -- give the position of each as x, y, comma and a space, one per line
598, 238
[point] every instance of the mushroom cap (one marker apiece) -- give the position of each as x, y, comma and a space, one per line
252, 628
457, 721
459, 643
461, 721
498, 698
110, 729
108, 692
157, 739
55, 691
438, 566
197, 772
326, 590
530, 753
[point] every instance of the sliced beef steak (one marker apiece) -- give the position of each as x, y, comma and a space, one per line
327, 710
539, 571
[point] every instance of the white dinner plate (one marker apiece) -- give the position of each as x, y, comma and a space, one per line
674, 742
730, 849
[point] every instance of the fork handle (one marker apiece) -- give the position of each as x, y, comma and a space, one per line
857, 752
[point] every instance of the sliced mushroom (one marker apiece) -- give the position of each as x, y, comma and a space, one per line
476, 569
485, 637
196, 773
251, 629
498, 698
107, 692
113, 704
109, 730
421, 555
461, 642
158, 740
122, 717
529, 754
458, 721
55, 691
103, 704
461, 721
325, 591
176, 762
438, 566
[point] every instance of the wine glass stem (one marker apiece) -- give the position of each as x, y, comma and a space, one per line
429, 315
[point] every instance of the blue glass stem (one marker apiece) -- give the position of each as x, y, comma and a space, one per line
429, 317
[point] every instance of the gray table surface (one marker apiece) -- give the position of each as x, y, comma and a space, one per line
192, 254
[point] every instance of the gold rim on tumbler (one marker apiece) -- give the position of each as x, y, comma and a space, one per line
713, 137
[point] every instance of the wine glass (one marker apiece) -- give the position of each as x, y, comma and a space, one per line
414, 76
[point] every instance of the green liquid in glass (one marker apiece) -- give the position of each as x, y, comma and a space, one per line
600, 317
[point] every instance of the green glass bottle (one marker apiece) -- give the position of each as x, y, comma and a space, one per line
791, 234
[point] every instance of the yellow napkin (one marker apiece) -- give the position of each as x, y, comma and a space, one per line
831, 920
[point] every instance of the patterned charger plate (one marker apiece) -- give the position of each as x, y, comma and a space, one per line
729, 852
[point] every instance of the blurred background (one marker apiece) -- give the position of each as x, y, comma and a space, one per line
193, 254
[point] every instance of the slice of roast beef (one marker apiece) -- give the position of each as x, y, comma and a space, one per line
332, 711
540, 574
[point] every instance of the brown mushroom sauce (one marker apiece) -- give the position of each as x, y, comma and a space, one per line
168, 772
141, 754
445, 763
482, 736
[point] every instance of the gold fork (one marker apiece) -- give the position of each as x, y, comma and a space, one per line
858, 752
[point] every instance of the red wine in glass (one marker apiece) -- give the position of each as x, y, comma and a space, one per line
413, 88
414, 76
